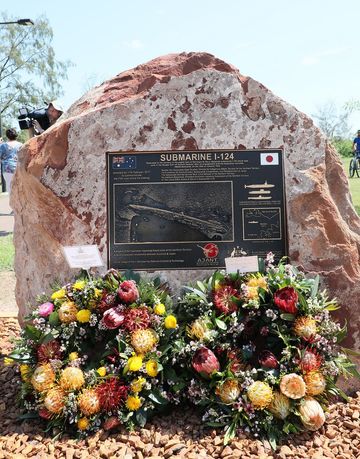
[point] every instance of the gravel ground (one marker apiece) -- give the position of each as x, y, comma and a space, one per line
177, 436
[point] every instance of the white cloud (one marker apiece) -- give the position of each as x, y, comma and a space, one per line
317, 57
134, 44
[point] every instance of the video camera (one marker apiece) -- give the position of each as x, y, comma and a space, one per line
26, 117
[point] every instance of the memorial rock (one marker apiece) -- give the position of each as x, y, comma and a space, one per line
180, 101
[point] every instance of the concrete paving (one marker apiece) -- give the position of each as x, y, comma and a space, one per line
6, 217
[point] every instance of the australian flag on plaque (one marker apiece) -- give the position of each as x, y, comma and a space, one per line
124, 162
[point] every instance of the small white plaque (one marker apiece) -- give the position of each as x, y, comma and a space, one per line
242, 264
83, 256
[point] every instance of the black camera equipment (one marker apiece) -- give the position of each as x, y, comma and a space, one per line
26, 118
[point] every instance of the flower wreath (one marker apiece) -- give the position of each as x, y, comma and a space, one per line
260, 351
92, 354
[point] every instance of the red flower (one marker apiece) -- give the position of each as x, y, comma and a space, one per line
111, 394
286, 300
111, 423
128, 292
137, 319
310, 361
205, 362
107, 302
268, 360
49, 351
224, 299
44, 413
235, 361
113, 318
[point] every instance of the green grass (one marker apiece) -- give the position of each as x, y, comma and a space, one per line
354, 184
7, 252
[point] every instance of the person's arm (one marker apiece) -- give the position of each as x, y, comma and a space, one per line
37, 127
354, 145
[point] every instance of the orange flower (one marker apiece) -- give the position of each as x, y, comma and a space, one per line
293, 386
315, 383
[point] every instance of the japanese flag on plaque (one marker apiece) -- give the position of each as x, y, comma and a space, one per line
269, 159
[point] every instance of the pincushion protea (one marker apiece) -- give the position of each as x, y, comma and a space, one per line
260, 395
205, 362
228, 391
72, 378
143, 341
43, 378
111, 394
315, 383
198, 329
137, 319
55, 400
311, 414
305, 327
67, 312
311, 360
89, 402
280, 405
49, 351
225, 299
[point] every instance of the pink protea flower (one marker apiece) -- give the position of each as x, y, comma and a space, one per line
205, 362
286, 300
224, 299
268, 360
45, 309
113, 318
111, 423
128, 292
107, 301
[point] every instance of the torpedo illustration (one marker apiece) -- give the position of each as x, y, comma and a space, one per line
260, 185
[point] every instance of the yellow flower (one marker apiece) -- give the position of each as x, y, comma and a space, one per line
101, 371
315, 383
83, 316
152, 368
143, 341
135, 363
293, 386
89, 402
159, 309
133, 402
59, 294
198, 329
55, 400
8, 361
311, 413
43, 378
170, 322
73, 356
79, 285
252, 293
260, 395
280, 405
83, 423
228, 391
305, 327
25, 372
97, 293
137, 385
257, 282
67, 312
72, 378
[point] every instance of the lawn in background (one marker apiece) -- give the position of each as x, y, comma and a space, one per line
7, 252
354, 184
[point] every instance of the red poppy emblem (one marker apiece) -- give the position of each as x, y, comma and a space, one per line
211, 250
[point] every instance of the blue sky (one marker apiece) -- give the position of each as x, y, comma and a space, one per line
305, 51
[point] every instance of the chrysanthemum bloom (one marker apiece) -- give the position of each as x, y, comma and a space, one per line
111, 394
311, 360
101, 371
305, 327
73, 356
315, 383
67, 312
55, 400
286, 300
25, 372
113, 318
137, 384
143, 341
268, 360
137, 319
45, 309
83, 316
43, 378
59, 294
159, 309
49, 351
312, 414
293, 386
228, 391
205, 362
83, 423
199, 329
225, 299
111, 423
280, 405
79, 285
89, 402
135, 362
128, 292
170, 322
72, 378
133, 402
152, 368
260, 395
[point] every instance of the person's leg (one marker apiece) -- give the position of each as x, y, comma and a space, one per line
8, 176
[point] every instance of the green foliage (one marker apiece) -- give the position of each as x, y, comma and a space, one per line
29, 71
343, 146
7, 252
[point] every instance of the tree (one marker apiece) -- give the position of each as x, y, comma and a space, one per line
334, 122
29, 71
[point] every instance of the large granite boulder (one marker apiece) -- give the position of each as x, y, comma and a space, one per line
180, 101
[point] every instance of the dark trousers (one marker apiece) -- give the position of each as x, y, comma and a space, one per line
3, 184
